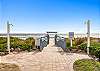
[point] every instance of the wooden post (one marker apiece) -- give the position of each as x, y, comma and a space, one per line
71, 42
8, 36
71, 36
88, 36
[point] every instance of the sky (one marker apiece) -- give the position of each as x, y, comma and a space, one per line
40, 16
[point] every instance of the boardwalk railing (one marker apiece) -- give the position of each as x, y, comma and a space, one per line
44, 41
60, 42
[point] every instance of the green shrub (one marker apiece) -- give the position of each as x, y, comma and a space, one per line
22, 45
25, 47
3, 47
27, 44
92, 50
96, 44
30, 41
67, 43
83, 46
86, 65
78, 41
97, 53
3, 40
95, 49
13, 45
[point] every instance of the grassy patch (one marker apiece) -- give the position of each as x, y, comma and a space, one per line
8, 67
86, 65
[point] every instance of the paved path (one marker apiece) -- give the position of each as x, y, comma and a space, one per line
50, 59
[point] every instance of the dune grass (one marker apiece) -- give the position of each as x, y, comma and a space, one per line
86, 65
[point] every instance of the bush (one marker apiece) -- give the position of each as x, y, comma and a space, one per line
86, 65
78, 41
3, 40
3, 47
94, 48
83, 46
27, 44
67, 43
97, 53
24, 47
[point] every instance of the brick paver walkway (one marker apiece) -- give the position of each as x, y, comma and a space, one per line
50, 59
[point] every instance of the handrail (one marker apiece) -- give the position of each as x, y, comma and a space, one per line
60, 42
44, 41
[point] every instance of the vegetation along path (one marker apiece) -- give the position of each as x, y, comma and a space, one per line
52, 58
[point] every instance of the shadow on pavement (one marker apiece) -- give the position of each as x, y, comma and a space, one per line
60, 50
35, 52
